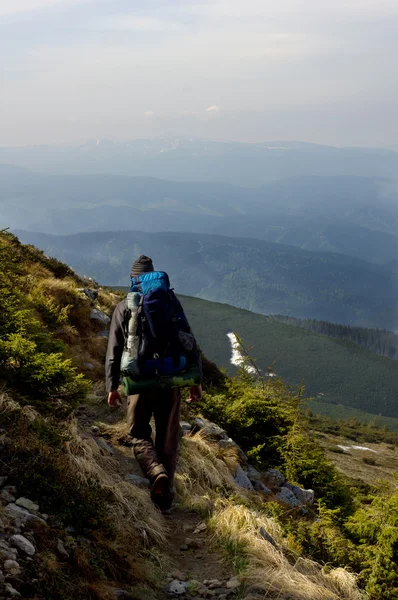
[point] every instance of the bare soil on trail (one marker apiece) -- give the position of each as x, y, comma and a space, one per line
200, 561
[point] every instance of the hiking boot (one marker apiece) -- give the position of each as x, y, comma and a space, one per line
160, 485
160, 493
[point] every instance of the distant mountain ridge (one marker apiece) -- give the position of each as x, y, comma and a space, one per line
205, 160
260, 276
350, 215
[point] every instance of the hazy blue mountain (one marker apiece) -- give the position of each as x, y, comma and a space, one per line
252, 274
205, 160
351, 215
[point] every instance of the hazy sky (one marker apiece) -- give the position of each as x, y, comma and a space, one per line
252, 70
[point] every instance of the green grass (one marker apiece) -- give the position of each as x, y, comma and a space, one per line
345, 413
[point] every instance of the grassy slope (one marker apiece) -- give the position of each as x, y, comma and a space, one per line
117, 539
344, 372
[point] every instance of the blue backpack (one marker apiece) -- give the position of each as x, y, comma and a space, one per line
164, 336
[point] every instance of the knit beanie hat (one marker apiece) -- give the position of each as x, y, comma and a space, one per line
143, 264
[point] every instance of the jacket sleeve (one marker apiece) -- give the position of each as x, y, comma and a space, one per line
115, 348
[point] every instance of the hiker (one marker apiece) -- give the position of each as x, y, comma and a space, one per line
152, 346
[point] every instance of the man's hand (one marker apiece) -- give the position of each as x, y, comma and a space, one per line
114, 399
195, 394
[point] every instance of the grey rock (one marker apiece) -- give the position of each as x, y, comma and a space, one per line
184, 547
259, 486
241, 479
176, 588
94, 429
7, 496
199, 528
185, 426
90, 293
11, 591
253, 474
229, 443
287, 497
61, 549
12, 567
104, 446
266, 536
233, 583
104, 334
214, 583
17, 512
137, 480
210, 429
304, 496
20, 542
7, 553
101, 317
28, 504
89, 366
274, 478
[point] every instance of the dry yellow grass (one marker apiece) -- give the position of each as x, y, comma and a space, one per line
272, 571
131, 509
205, 483
202, 473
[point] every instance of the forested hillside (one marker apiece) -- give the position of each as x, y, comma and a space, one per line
378, 341
259, 276
335, 371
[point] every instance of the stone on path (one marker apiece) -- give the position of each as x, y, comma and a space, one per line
28, 504
20, 542
176, 588
233, 583
12, 567
11, 591
137, 480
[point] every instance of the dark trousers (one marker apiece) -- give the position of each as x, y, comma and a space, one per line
160, 457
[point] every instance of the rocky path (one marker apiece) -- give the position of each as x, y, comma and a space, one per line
196, 569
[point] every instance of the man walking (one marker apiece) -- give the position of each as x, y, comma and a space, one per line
157, 461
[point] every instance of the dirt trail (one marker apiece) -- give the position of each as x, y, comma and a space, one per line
199, 562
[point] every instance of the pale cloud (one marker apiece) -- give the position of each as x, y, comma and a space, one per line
13, 7
263, 64
213, 109
137, 23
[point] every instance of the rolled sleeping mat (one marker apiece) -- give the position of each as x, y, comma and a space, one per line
189, 377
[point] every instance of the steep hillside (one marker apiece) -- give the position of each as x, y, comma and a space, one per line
259, 276
76, 521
